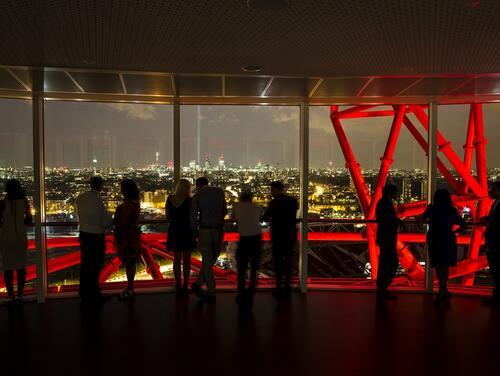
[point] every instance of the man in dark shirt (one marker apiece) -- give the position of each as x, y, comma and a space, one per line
387, 236
492, 236
282, 213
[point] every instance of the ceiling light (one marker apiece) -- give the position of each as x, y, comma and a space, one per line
251, 68
268, 5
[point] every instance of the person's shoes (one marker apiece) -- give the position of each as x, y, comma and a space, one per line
179, 292
126, 295
240, 299
196, 288
209, 298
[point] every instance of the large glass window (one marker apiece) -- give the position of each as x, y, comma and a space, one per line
339, 236
115, 141
16, 162
242, 148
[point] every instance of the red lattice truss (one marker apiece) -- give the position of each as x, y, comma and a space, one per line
468, 189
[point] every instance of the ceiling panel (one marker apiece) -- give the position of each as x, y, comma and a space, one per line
289, 87
148, 84
386, 87
199, 86
9, 82
93, 82
59, 81
340, 87
434, 86
482, 85
320, 38
245, 86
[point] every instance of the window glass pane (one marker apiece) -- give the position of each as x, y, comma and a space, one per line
240, 148
115, 141
16, 162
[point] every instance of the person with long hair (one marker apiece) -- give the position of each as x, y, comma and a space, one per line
444, 223
15, 215
127, 233
180, 237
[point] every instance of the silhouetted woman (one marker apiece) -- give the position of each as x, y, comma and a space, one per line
127, 233
180, 234
444, 223
14, 216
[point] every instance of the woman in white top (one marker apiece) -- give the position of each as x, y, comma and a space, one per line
247, 215
15, 214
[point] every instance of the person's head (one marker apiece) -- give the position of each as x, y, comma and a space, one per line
246, 196
14, 190
277, 188
96, 183
442, 198
391, 191
129, 190
201, 182
495, 190
183, 189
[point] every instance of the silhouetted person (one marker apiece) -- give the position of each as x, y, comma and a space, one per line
492, 236
93, 220
180, 234
247, 216
127, 233
15, 214
444, 223
282, 213
387, 236
207, 220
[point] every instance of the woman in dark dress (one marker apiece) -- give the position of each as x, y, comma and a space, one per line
180, 238
444, 224
127, 233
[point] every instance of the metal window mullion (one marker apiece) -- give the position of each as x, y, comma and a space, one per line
304, 194
177, 142
431, 180
39, 184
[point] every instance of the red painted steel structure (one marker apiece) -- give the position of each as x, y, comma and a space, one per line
468, 189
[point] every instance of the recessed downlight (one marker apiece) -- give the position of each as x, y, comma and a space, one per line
251, 68
268, 5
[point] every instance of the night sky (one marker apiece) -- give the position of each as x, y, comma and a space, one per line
123, 135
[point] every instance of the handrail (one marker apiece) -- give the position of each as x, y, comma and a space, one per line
314, 220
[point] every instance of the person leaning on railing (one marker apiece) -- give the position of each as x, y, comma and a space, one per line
94, 220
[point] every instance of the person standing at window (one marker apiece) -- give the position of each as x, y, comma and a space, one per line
180, 237
127, 233
93, 220
387, 237
444, 223
15, 214
282, 213
247, 216
207, 220
492, 236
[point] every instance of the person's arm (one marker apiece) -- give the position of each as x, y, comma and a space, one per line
167, 212
269, 212
224, 206
28, 217
458, 220
106, 220
194, 214
2, 208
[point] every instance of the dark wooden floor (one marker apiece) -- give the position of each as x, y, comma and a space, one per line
334, 333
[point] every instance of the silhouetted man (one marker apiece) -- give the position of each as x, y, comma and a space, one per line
247, 215
207, 220
492, 236
282, 213
387, 235
93, 221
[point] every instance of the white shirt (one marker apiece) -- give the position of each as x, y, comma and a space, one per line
248, 215
92, 215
